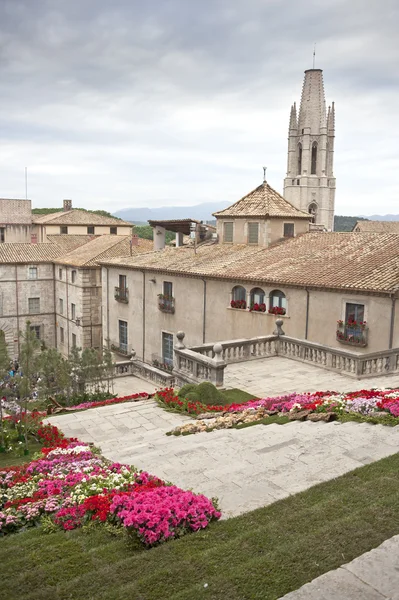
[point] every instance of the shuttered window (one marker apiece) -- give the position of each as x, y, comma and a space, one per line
33, 305
289, 230
253, 233
228, 232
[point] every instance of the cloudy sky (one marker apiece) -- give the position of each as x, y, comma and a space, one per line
118, 103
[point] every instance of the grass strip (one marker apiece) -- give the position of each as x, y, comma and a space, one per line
262, 554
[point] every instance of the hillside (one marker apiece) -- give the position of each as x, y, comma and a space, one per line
49, 211
345, 223
200, 212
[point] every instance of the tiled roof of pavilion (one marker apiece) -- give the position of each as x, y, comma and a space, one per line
78, 217
43, 252
263, 202
377, 226
352, 261
104, 247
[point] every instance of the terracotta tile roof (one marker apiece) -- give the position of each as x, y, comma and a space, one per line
78, 217
41, 253
103, 247
353, 261
262, 202
67, 243
377, 226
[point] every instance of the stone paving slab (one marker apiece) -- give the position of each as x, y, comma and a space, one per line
246, 468
372, 576
276, 375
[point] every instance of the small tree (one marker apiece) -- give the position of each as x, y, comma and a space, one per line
54, 374
108, 368
4, 368
78, 380
28, 360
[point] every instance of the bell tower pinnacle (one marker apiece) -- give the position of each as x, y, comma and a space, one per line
310, 183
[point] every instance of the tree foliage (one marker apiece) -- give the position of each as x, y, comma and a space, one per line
343, 223
145, 232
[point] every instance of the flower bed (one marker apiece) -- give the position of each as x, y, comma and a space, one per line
367, 403
97, 403
69, 485
238, 304
257, 307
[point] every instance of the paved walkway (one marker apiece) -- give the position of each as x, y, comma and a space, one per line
372, 576
276, 375
246, 468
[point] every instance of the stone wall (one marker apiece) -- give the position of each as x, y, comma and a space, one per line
146, 322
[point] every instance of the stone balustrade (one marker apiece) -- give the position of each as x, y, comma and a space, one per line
193, 367
207, 362
348, 363
144, 371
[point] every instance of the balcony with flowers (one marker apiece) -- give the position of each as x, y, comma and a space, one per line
277, 310
238, 304
352, 333
257, 307
166, 303
162, 362
121, 294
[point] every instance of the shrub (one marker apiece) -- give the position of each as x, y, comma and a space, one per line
186, 389
207, 393
192, 396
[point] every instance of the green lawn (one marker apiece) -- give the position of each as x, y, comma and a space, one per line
12, 458
235, 396
261, 555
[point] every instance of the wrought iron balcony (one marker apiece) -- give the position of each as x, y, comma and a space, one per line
352, 334
166, 303
122, 294
162, 363
121, 349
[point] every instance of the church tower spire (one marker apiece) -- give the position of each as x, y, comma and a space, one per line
310, 183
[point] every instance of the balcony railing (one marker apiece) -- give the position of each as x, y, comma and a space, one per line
122, 294
352, 334
166, 303
162, 363
121, 349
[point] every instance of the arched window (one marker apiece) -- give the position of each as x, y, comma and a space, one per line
257, 300
312, 210
314, 159
238, 297
299, 159
277, 303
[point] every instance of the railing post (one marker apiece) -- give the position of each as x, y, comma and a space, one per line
180, 337
217, 370
278, 332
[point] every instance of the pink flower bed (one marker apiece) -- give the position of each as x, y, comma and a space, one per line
71, 484
97, 403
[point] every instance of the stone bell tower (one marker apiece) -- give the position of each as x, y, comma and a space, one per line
310, 183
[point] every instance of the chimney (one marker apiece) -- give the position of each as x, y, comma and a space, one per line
67, 205
135, 239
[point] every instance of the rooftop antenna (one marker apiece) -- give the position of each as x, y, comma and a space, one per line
314, 54
264, 174
26, 183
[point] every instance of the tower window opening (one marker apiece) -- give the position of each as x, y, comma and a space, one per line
314, 159
299, 159
313, 211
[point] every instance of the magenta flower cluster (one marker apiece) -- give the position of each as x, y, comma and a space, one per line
72, 485
163, 513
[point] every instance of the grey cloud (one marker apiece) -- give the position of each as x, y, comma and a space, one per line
197, 93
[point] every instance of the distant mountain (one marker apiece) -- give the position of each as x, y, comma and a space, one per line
382, 217
200, 212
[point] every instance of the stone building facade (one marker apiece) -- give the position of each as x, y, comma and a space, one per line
310, 183
335, 289
57, 287
15, 221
